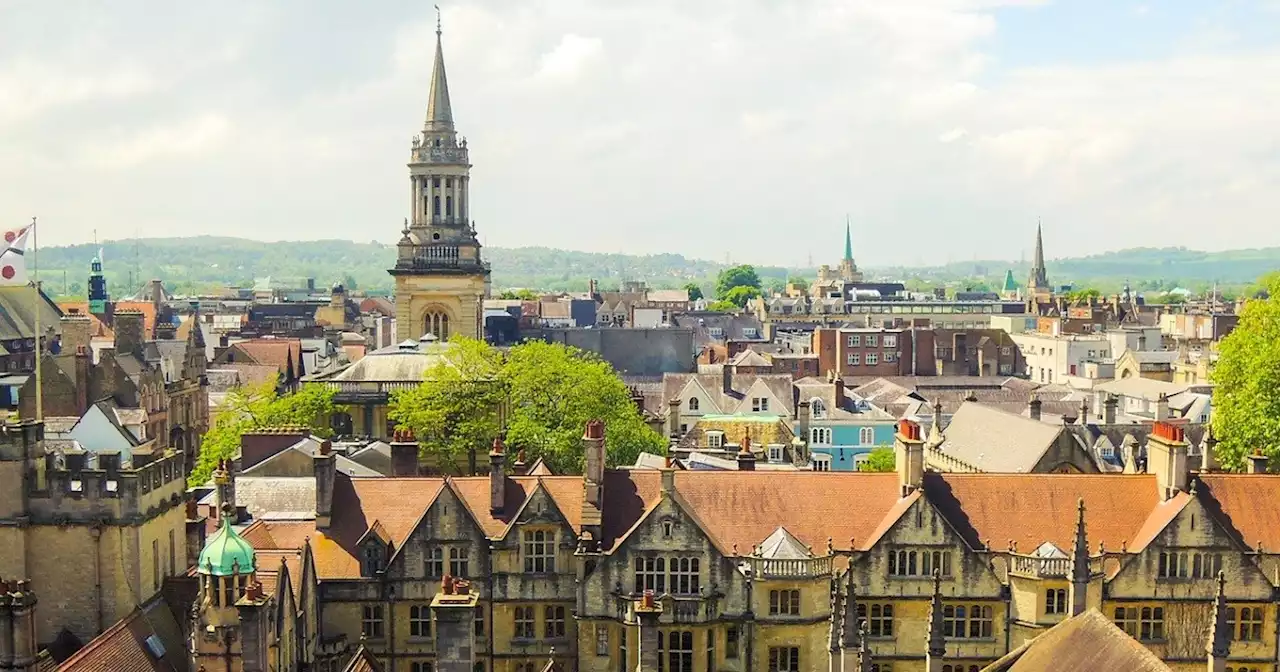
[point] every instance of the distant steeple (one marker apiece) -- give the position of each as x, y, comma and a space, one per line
439, 112
1038, 279
848, 239
1010, 285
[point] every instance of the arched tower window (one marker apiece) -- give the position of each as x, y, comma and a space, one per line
437, 323
435, 208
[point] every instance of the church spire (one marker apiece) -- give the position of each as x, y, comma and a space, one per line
439, 112
1038, 279
848, 239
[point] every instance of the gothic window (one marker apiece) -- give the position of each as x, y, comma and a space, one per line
1055, 601
373, 559
784, 603
602, 640
693, 403
434, 562
818, 409
436, 323
435, 206
1251, 622
371, 621
1151, 626
880, 624
679, 650
784, 659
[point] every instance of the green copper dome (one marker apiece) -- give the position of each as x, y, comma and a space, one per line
226, 553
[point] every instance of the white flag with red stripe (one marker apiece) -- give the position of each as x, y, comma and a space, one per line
13, 261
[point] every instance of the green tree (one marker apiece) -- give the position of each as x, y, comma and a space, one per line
880, 459
695, 291
254, 408
722, 306
740, 295
349, 283
549, 391
1246, 401
519, 294
737, 276
1082, 295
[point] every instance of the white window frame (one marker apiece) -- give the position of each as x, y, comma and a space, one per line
890, 340
855, 341
872, 359
871, 340
854, 359
775, 453
715, 439
866, 436
820, 436
760, 404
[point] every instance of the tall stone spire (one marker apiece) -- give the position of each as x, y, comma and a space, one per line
1038, 279
848, 239
1219, 645
937, 639
1079, 564
439, 112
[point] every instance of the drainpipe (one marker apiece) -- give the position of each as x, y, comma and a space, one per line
96, 533
748, 635
388, 590
913, 350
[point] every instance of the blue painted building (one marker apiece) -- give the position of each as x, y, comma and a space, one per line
843, 430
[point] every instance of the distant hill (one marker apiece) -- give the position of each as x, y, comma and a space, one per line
205, 262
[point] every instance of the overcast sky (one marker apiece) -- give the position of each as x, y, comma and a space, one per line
713, 128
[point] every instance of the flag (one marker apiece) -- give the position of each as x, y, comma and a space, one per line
13, 261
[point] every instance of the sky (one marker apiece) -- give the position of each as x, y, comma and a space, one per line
745, 130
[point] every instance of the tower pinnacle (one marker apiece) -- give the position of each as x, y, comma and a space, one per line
848, 239
439, 111
1038, 282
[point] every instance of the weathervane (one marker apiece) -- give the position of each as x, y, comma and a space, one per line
437, 19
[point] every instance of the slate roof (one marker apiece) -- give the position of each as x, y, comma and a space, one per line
727, 401
265, 496
995, 441
17, 312
275, 352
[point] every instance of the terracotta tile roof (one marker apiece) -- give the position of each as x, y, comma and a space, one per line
1237, 500
147, 309
744, 508
97, 329
1161, 515
263, 351
273, 559
123, 645
1089, 641
1030, 509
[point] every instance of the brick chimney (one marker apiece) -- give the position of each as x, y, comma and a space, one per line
76, 332
255, 625
673, 418
908, 449
746, 458
259, 444
1167, 458
1033, 408
593, 478
1109, 409
1162, 407
404, 453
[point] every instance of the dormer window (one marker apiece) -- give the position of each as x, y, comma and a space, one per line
817, 409
694, 403
373, 558
715, 439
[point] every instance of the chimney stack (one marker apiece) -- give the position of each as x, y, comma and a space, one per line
1257, 462
454, 608
1162, 408
746, 458
648, 610
802, 421
255, 616
1109, 409
326, 471
497, 477
128, 327
1167, 458
908, 449
673, 418
404, 453
1033, 408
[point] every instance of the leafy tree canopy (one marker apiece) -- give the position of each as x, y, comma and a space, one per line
519, 294
1080, 295
722, 306
249, 409
1246, 401
880, 459
694, 290
549, 393
739, 296
737, 276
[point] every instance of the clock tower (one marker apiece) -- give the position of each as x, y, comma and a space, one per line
441, 279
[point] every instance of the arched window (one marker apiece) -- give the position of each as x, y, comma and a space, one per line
817, 409
693, 403
435, 208
437, 324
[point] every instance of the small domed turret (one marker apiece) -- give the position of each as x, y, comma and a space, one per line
226, 553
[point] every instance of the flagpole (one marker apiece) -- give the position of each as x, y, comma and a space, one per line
35, 265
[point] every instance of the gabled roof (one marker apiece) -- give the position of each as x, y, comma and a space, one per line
363, 661
1089, 641
1238, 501
781, 545
995, 441
983, 507
123, 645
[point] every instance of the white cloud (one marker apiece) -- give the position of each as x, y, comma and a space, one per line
677, 123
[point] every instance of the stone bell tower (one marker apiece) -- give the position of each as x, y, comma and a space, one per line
441, 279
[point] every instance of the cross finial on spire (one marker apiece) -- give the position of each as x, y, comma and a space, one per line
438, 29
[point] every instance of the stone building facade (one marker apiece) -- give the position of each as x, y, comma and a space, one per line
95, 536
757, 571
